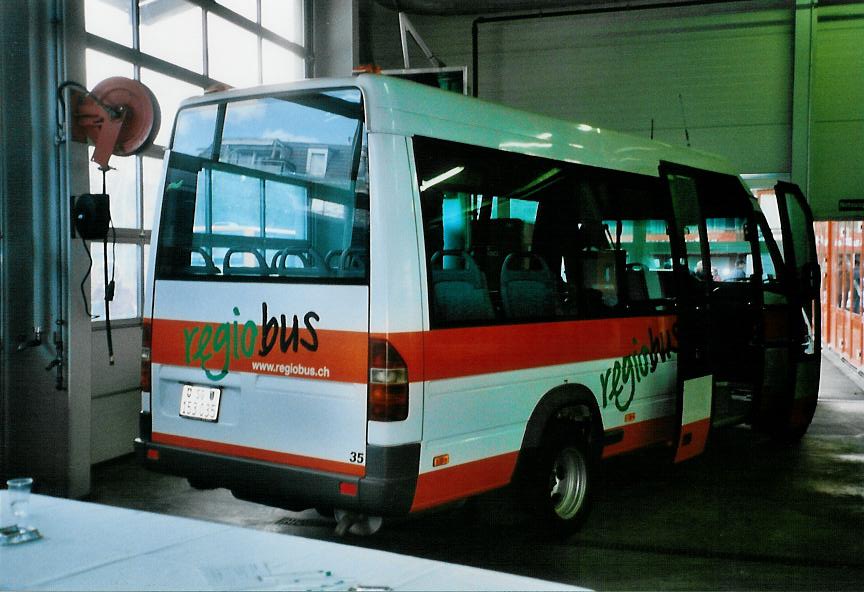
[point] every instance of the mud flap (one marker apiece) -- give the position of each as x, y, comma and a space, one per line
695, 417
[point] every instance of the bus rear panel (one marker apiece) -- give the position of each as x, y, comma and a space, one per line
260, 349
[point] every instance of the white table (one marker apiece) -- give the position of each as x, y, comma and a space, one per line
94, 547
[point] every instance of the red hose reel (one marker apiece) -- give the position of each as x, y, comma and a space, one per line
119, 116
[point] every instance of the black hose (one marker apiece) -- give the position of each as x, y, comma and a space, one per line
109, 296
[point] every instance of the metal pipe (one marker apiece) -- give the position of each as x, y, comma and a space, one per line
59, 194
466, 7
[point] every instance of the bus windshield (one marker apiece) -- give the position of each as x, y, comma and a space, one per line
271, 188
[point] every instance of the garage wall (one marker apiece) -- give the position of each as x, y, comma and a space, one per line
44, 425
116, 394
837, 129
731, 63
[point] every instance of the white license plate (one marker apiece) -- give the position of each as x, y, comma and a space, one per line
200, 402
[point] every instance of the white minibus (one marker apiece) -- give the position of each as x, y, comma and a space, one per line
375, 297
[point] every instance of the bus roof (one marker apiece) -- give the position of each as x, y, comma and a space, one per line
403, 107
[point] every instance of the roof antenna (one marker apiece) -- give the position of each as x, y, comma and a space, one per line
652, 128
684, 117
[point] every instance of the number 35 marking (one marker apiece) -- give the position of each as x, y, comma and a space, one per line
357, 457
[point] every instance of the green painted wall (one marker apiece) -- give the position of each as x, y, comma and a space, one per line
837, 132
738, 65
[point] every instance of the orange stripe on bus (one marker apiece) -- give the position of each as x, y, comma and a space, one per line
343, 354
271, 456
644, 433
436, 354
452, 353
698, 438
453, 483
468, 351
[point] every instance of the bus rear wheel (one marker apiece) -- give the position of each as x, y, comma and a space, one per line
563, 483
568, 483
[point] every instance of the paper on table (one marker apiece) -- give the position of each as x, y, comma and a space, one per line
266, 575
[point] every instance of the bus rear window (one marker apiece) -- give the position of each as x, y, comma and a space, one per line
268, 189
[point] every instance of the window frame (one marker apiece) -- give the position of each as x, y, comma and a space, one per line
215, 163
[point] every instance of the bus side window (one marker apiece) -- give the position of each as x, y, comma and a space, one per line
730, 249
636, 225
543, 240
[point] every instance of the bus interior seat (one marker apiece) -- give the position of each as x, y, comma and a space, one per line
491, 240
459, 293
310, 261
637, 282
594, 235
352, 261
527, 292
666, 282
260, 267
653, 284
600, 272
207, 268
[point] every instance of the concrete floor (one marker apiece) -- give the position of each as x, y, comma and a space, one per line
749, 514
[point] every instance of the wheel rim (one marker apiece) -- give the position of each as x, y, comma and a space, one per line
568, 483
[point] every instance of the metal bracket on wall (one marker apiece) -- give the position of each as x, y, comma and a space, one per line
406, 27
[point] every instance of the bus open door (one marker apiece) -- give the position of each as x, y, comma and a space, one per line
695, 384
792, 327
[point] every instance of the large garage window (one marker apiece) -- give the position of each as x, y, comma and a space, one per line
178, 48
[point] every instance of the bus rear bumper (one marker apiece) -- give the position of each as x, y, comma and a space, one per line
387, 489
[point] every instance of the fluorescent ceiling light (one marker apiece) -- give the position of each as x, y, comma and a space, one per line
442, 177
532, 186
504, 145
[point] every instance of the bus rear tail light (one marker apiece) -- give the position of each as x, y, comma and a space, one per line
146, 343
388, 382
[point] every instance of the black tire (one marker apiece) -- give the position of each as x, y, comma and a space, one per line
784, 431
791, 435
562, 481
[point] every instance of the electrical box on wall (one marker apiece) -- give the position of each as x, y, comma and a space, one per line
91, 215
